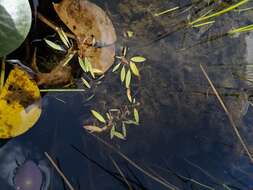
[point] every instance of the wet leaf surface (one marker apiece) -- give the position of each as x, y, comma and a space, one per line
19, 104
90, 24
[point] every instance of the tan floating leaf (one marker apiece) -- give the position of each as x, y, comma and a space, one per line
90, 24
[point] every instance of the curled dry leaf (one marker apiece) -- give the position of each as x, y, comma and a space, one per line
90, 23
19, 104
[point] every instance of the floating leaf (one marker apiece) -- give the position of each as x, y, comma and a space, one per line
129, 122
19, 104
112, 132
68, 59
98, 116
64, 37
124, 131
116, 67
129, 95
119, 135
87, 22
136, 116
138, 59
93, 128
82, 64
128, 78
130, 34
85, 82
16, 20
54, 45
123, 74
134, 69
89, 66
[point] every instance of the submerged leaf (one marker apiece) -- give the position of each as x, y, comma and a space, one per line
19, 104
134, 69
138, 59
93, 128
123, 74
98, 116
54, 45
119, 135
128, 78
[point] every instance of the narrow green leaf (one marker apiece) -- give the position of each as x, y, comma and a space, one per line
138, 59
85, 82
54, 45
124, 132
119, 135
98, 116
89, 66
116, 67
64, 37
129, 96
134, 69
130, 34
123, 74
67, 59
112, 132
82, 64
129, 122
128, 78
136, 116
2, 74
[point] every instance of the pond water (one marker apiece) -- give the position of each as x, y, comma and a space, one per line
184, 139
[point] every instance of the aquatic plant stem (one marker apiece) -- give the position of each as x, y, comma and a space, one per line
135, 165
52, 25
228, 114
59, 171
2, 73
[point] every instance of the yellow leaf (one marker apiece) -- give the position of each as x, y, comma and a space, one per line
98, 116
138, 59
123, 74
54, 45
85, 82
92, 129
128, 78
134, 69
116, 67
19, 104
129, 95
130, 34
136, 116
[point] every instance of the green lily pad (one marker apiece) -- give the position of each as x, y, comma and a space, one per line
15, 24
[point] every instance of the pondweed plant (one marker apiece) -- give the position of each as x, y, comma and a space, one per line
128, 67
217, 14
116, 121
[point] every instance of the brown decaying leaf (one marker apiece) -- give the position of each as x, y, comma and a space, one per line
60, 75
88, 22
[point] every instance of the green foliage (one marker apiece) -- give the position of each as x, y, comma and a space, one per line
16, 19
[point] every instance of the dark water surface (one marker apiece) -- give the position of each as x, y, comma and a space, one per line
184, 137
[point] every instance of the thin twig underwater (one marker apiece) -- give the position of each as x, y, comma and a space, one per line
244, 145
166, 184
116, 176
